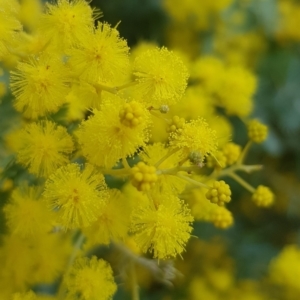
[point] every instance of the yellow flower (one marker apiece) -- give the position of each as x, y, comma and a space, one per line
232, 152
161, 76
162, 225
221, 217
115, 132
195, 102
209, 71
30, 13
43, 147
102, 56
39, 86
165, 183
49, 254
9, 24
26, 213
67, 22
112, 221
143, 176
90, 279
257, 132
236, 91
76, 195
195, 136
263, 196
285, 269
219, 193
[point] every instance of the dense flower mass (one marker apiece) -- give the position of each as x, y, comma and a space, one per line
116, 150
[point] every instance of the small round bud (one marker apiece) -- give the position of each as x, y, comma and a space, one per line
217, 161
164, 109
232, 153
196, 158
257, 132
131, 115
221, 217
143, 177
263, 196
219, 193
176, 124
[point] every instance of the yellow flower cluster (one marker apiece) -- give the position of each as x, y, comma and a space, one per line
91, 116
257, 131
219, 193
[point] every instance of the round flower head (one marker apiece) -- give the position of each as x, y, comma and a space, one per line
112, 222
143, 176
257, 132
236, 91
66, 22
263, 196
9, 24
102, 56
115, 132
285, 269
218, 161
165, 183
232, 153
26, 213
76, 195
49, 257
44, 147
219, 193
39, 86
162, 225
161, 76
194, 136
221, 217
90, 279
209, 71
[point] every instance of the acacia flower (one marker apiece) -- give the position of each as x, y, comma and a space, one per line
9, 24
76, 195
90, 279
194, 136
66, 22
43, 147
162, 227
114, 132
102, 56
161, 76
26, 214
112, 222
40, 86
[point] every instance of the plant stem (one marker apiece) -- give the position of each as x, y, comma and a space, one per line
116, 172
244, 153
134, 285
115, 89
192, 181
165, 157
76, 248
125, 164
242, 182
